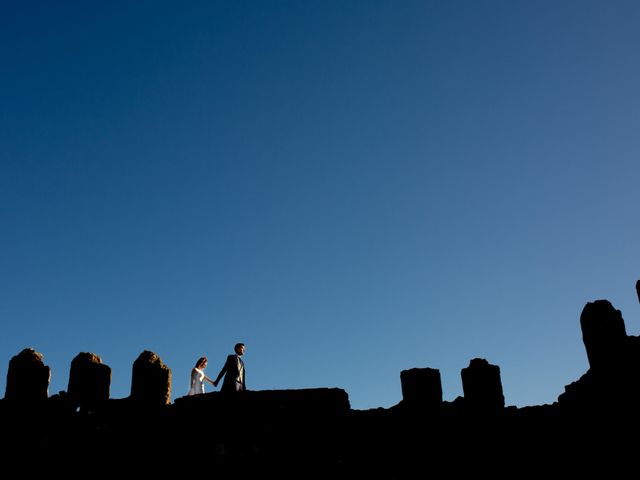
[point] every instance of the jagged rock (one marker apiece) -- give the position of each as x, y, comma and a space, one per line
151, 380
28, 377
603, 334
482, 386
421, 387
89, 380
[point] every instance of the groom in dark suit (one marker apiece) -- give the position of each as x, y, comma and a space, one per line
233, 371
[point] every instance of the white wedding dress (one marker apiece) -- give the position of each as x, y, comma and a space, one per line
197, 382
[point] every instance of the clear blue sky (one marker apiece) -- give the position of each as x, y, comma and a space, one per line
350, 188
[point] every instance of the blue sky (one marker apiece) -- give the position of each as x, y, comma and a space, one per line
350, 188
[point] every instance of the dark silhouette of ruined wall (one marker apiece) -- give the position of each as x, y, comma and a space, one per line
482, 386
89, 380
422, 387
151, 380
313, 433
611, 383
603, 334
28, 377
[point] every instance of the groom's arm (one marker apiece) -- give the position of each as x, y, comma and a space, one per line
222, 372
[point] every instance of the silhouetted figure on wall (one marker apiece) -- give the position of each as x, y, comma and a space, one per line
151, 379
198, 377
421, 387
89, 380
482, 386
638, 289
233, 371
28, 377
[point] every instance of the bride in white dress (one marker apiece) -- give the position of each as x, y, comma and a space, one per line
198, 377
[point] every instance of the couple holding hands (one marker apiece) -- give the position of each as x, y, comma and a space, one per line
232, 371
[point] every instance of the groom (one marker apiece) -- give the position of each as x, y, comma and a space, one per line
233, 371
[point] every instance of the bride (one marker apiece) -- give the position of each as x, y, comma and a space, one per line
198, 377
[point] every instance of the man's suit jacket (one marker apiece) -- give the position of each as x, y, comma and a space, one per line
233, 372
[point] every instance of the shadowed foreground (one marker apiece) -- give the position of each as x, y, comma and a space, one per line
313, 433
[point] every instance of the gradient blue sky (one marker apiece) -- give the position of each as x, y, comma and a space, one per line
350, 188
